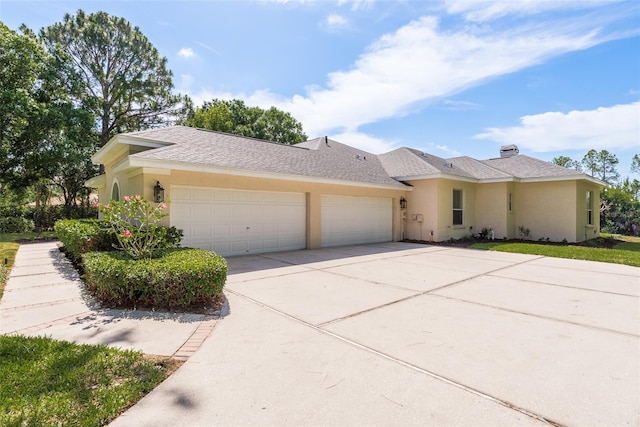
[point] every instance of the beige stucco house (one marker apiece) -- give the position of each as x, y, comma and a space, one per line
238, 195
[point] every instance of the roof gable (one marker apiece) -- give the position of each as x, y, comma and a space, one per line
316, 158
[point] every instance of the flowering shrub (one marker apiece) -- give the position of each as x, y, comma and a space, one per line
135, 223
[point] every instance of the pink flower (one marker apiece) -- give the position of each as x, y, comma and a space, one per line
95, 204
126, 233
126, 198
163, 206
138, 196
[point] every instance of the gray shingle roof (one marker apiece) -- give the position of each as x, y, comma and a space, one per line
330, 159
406, 162
313, 158
478, 169
522, 166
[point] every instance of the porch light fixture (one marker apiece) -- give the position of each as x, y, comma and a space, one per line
158, 193
403, 203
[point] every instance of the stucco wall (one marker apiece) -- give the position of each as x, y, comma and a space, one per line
313, 193
547, 209
421, 222
491, 208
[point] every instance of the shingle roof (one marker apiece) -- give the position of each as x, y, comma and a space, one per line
315, 158
326, 158
478, 169
406, 162
522, 166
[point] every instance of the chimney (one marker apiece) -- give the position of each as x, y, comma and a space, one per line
509, 151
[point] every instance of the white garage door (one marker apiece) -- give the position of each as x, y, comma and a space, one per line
234, 222
350, 220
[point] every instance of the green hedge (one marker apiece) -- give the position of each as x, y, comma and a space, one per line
181, 278
14, 224
84, 235
88, 235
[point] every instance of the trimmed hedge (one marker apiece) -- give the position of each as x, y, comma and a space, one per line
13, 224
181, 278
80, 236
84, 235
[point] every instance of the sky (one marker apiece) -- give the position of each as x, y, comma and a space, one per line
451, 78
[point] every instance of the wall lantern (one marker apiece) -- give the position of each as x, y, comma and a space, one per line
158, 193
403, 203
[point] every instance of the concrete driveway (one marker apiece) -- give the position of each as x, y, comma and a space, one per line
402, 334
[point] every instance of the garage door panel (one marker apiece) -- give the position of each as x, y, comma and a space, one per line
233, 222
353, 220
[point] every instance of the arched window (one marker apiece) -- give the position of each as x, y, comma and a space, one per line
115, 191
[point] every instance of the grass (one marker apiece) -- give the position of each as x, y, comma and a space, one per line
626, 251
48, 382
33, 236
7, 257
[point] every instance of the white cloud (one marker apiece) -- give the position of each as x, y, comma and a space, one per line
209, 48
487, 10
460, 105
449, 151
335, 21
419, 63
186, 52
357, 4
616, 127
365, 142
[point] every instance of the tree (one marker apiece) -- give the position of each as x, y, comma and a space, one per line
635, 163
602, 165
590, 162
237, 118
567, 162
32, 95
126, 82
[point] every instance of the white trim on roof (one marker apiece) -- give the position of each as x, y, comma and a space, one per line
103, 155
136, 162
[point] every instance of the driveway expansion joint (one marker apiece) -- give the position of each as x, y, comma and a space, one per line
406, 364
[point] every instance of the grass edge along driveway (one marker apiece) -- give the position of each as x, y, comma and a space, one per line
627, 252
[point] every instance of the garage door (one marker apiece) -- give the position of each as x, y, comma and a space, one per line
352, 220
234, 222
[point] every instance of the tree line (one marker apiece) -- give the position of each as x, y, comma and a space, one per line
620, 201
68, 89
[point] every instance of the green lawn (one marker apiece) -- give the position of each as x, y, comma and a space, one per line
626, 252
46, 382
12, 237
7, 256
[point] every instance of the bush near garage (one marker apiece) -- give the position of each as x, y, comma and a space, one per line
80, 236
84, 235
179, 278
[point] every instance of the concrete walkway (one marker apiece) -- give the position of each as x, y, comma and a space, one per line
45, 296
388, 334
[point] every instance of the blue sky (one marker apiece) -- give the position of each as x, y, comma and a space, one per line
447, 77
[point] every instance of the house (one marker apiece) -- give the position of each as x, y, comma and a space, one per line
238, 195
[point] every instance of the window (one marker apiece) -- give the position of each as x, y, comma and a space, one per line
457, 207
510, 202
589, 208
115, 191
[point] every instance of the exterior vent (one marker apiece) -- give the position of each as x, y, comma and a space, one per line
509, 151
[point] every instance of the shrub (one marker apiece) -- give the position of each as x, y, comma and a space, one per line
180, 278
83, 235
45, 217
135, 223
80, 236
14, 224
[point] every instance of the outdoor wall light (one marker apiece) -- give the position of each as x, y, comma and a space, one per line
158, 193
403, 203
